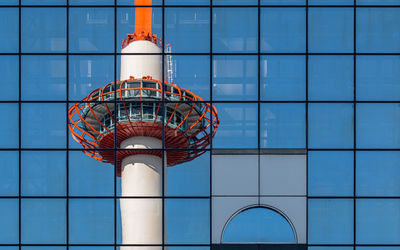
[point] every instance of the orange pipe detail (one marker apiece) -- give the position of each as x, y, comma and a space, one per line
143, 17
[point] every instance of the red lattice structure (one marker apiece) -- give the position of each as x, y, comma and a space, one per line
143, 107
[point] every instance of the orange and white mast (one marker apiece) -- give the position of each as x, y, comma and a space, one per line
141, 174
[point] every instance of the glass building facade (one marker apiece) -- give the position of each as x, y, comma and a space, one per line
307, 154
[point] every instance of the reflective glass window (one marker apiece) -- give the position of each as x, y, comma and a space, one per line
331, 125
43, 125
330, 173
330, 2
235, 30
91, 30
187, 221
378, 78
330, 30
193, 175
89, 177
44, 2
330, 248
91, 221
261, 225
9, 226
91, 2
129, 2
378, 221
283, 2
188, 29
186, 2
235, 2
330, 78
9, 173
283, 78
283, 125
43, 247
9, 30
382, 119
43, 77
378, 173
193, 73
235, 78
283, 30
87, 73
330, 221
9, 71
238, 125
44, 30
9, 125
376, 248
9, 2
377, 30
43, 221
378, 2
43, 173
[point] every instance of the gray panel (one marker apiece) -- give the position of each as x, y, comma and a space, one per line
235, 175
283, 174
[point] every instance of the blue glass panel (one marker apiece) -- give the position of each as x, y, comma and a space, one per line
331, 125
43, 125
377, 125
188, 29
378, 248
378, 221
9, 248
44, 248
44, 2
91, 248
87, 73
186, 2
9, 125
235, 2
377, 30
193, 73
43, 221
283, 78
9, 71
91, 30
283, 30
378, 173
9, 176
44, 30
238, 126
235, 30
378, 78
9, 2
331, 29
187, 221
88, 176
9, 30
43, 77
126, 22
283, 2
330, 248
9, 217
92, 2
330, 221
330, 2
331, 78
193, 175
43, 173
378, 2
235, 78
283, 125
330, 173
258, 225
91, 221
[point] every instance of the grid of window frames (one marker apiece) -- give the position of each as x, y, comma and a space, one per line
321, 75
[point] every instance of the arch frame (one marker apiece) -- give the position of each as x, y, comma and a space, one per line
243, 209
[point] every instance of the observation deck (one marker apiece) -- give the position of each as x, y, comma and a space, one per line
142, 107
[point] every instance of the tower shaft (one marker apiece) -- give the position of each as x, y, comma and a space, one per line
141, 176
143, 17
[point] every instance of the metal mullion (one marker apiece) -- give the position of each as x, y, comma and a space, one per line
306, 118
259, 100
67, 131
355, 121
19, 127
211, 119
115, 126
164, 111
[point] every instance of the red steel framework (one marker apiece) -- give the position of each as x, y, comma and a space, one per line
195, 138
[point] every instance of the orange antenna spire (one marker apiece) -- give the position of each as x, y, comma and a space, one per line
143, 17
